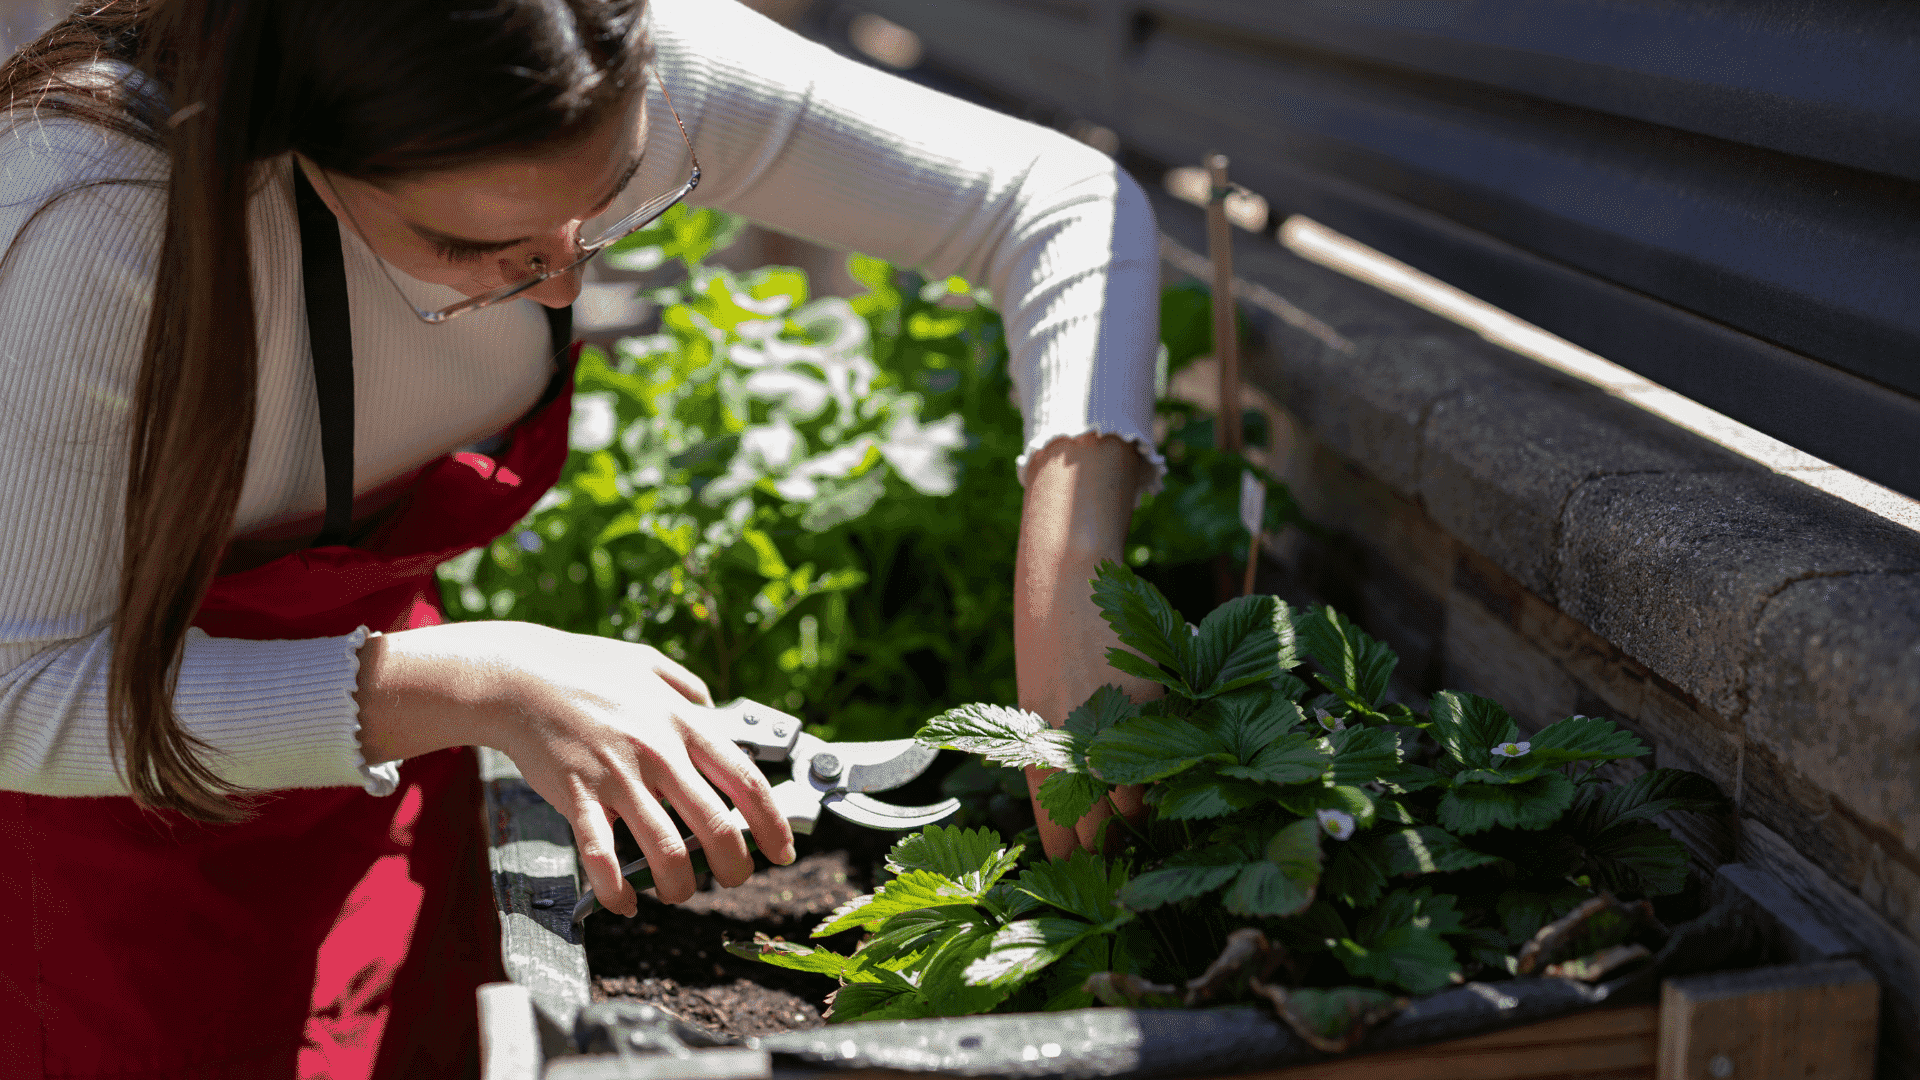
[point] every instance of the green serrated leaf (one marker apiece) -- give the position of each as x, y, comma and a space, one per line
1638, 857
1296, 850
1141, 616
1201, 794
1523, 911
1185, 874
1363, 755
1536, 804
1082, 884
1067, 979
1134, 664
877, 1001
1005, 736
1250, 720
910, 891
793, 956
1108, 706
1244, 641
1516, 775
1019, 952
1391, 811
944, 978
1426, 849
1401, 941
972, 859
1358, 666
1411, 778
1149, 748
1356, 802
1410, 957
1282, 883
1289, 686
1007, 902
1263, 889
1067, 797
1647, 796
1294, 759
1316, 929
1467, 727
1582, 738
1354, 876
910, 932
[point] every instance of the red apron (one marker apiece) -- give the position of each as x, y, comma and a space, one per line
335, 934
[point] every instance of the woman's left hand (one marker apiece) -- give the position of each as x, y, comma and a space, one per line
1079, 502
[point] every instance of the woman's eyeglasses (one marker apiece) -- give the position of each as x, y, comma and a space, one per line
538, 271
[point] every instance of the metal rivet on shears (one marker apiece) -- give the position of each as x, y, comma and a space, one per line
779, 731
749, 718
825, 766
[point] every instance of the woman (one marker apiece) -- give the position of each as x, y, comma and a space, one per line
268, 269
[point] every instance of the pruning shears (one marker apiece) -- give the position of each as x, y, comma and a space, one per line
825, 776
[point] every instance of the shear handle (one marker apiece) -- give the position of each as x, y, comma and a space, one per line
766, 734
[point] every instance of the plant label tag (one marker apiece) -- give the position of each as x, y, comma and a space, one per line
1253, 502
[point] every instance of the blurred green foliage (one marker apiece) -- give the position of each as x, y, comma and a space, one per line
812, 502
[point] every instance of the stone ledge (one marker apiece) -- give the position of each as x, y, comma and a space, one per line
1834, 691
1677, 569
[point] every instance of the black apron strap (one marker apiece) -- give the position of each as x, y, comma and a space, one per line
323, 273
560, 337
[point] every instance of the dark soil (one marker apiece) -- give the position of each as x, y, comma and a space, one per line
674, 957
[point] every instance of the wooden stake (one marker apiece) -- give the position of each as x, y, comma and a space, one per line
1253, 514
1226, 337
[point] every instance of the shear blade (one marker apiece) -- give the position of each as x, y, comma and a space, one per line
874, 814
885, 766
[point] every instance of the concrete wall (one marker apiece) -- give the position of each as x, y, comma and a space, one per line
1544, 541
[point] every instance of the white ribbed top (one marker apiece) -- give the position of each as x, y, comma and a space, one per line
789, 134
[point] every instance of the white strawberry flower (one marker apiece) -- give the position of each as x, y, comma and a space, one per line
1512, 749
1338, 823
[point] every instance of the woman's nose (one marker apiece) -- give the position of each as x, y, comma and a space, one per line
559, 290
556, 291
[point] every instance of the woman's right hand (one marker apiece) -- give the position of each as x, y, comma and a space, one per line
602, 729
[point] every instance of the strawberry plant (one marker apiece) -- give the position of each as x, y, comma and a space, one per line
1310, 843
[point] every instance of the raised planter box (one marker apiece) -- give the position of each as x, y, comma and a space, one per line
1811, 1013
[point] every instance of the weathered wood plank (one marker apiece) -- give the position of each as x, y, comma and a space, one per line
1796, 1020
536, 879
1601, 1044
509, 1035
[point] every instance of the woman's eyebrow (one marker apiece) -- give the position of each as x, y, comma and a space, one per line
436, 236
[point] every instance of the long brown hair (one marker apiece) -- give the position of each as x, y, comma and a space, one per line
375, 91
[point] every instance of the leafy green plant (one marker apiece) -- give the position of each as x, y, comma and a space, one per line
1370, 849
766, 490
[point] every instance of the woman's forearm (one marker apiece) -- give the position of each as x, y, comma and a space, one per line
429, 689
1079, 504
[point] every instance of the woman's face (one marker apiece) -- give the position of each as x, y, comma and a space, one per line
475, 228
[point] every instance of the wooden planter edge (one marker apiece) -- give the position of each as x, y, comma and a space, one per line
1815, 1015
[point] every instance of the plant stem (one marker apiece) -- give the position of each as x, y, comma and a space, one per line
1137, 834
